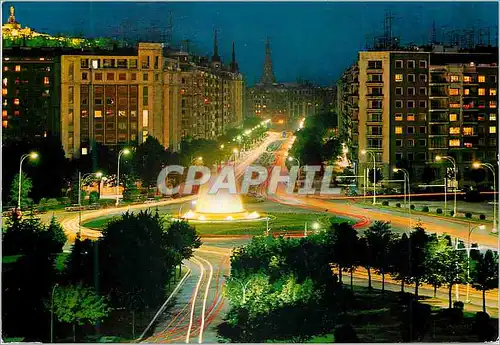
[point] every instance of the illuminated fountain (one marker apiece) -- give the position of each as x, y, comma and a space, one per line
221, 206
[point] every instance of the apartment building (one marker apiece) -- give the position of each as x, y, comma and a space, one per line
415, 105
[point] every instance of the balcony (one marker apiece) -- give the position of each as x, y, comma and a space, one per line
374, 70
438, 117
438, 106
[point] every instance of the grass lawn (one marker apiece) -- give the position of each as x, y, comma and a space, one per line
10, 259
279, 222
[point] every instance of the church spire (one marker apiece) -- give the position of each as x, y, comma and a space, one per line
216, 57
234, 64
268, 74
12, 17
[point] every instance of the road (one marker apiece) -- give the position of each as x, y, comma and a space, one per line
200, 306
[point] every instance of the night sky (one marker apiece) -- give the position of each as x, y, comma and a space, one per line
314, 40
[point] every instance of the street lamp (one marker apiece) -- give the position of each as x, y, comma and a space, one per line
452, 161
81, 180
52, 313
32, 155
407, 180
364, 152
468, 249
125, 152
477, 165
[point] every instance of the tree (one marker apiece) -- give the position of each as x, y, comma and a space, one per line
428, 174
485, 274
379, 176
183, 238
57, 233
378, 240
400, 260
130, 191
454, 268
345, 244
26, 186
77, 304
150, 157
435, 263
418, 241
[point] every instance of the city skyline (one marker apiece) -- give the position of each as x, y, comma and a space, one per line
320, 59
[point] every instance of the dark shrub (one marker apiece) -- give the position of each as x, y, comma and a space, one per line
483, 328
345, 334
458, 305
412, 207
398, 204
468, 215
93, 197
385, 203
415, 321
439, 211
425, 209
482, 216
452, 213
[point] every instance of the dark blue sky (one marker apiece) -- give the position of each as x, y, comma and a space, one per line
313, 40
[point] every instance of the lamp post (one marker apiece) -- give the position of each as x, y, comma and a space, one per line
471, 229
407, 180
452, 161
32, 155
125, 152
489, 166
314, 225
364, 152
52, 313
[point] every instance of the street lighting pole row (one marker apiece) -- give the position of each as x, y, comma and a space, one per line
32, 155
495, 199
453, 162
364, 152
407, 182
125, 152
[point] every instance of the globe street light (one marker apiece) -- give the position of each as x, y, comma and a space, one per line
452, 161
32, 156
407, 180
477, 165
364, 152
124, 152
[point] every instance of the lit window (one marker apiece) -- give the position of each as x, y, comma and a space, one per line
398, 117
122, 113
4, 123
493, 92
46, 81
16, 101
18, 68
482, 79
399, 77
453, 117
454, 130
453, 92
454, 142
98, 113
145, 119
84, 151
493, 104
4, 114
466, 92
482, 91
493, 117
399, 130
4, 82
454, 105
468, 131
4, 92
133, 113
410, 117
422, 117
6, 68
493, 129
454, 79
467, 79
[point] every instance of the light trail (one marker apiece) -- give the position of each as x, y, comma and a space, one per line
202, 272
202, 327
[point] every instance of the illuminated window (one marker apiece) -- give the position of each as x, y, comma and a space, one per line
482, 79
481, 91
454, 105
398, 117
4, 123
453, 92
18, 68
454, 142
466, 92
399, 77
145, 115
493, 104
16, 101
399, 130
4, 92
493, 117
493, 92
453, 117
84, 151
493, 129
133, 113
455, 130
97, 113
4, 114
410, 117
4, 82
6, 68
46, 81
422, 117
122, 113
467, 79
468, 131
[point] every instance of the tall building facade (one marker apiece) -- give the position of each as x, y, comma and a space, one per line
415, 105
118, 100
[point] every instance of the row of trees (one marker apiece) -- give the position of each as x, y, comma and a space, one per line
130, 267
271, 277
